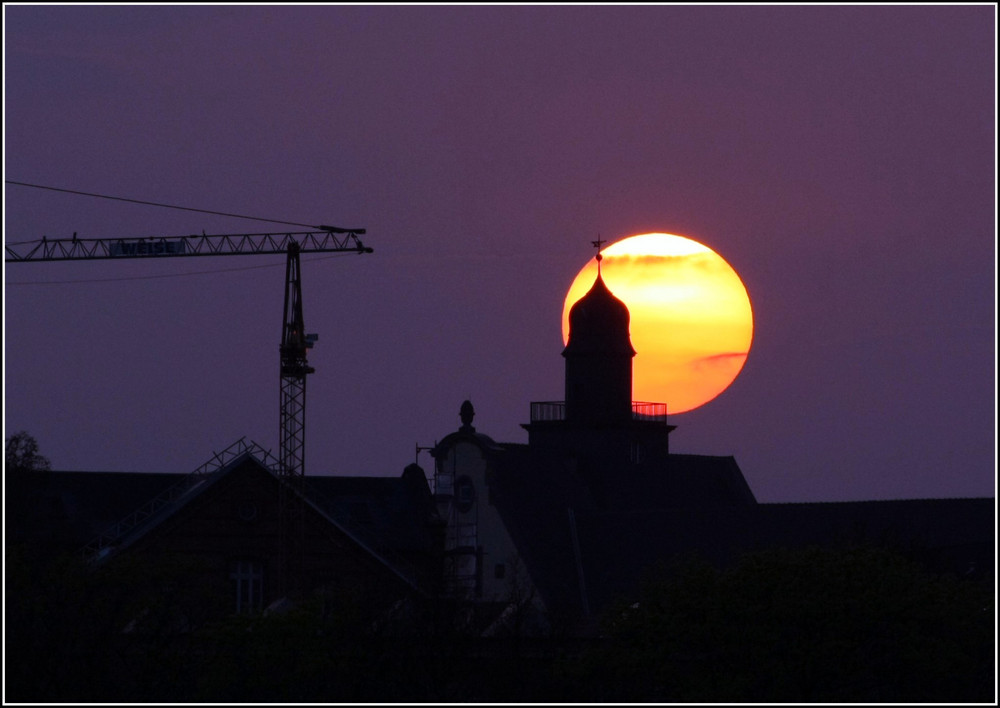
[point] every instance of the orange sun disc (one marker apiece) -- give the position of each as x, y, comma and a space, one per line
691, 321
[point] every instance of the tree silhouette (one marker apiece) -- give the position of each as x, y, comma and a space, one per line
24, 485
810, 625
21, 455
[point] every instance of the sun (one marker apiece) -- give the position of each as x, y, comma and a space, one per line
691, 321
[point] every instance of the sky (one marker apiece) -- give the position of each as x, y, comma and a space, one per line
842, 159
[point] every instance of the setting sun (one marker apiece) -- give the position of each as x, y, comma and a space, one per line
691, 321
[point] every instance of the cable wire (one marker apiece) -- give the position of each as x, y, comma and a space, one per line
157, 277
158, 204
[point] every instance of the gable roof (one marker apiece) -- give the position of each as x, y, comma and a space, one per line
103, 513
128, 529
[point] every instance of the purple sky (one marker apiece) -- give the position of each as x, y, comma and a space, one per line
841, 159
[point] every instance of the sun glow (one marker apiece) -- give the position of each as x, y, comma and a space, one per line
691, 320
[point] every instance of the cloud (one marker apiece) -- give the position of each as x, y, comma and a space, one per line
648, 260
716, 360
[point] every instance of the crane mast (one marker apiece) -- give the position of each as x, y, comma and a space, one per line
294, 368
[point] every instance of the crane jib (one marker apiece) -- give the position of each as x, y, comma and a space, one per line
327, 241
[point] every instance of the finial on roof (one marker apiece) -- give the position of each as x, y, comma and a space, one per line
467, 413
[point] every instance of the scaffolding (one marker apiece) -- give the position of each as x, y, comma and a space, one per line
108, 541
463, 556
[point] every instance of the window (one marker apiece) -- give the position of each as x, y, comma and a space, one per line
465, 493
499, 571
249, 581
635, 452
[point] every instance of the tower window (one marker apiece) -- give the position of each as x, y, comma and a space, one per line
465, 493
635, 452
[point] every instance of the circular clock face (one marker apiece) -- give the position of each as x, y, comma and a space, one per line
247, 511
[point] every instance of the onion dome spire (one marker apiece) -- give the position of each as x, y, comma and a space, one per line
598, 356
599, 321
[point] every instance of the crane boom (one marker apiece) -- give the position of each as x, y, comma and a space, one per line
294, 340
329, 239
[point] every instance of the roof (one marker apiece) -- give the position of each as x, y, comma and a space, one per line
390, 513
956, 534
679, 481
467, 433
599, 322
387, 516
583, 551
71, 508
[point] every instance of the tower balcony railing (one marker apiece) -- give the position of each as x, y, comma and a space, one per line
554, 411
652, 412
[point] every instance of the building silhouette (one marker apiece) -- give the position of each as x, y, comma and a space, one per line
595, 499
533, 537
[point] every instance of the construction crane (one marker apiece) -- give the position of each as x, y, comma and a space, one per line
294, 341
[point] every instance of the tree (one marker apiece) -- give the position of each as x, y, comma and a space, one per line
848, 625
24, 486
21, 455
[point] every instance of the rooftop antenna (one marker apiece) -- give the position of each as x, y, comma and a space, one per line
421, 448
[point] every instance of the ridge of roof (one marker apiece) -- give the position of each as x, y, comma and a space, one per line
908, 500
310, 498
136, 525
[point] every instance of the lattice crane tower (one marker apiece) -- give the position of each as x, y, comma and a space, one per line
294, 341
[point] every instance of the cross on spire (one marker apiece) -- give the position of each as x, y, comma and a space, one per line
597, 245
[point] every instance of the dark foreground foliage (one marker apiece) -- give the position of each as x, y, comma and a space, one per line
815, 625
857, 625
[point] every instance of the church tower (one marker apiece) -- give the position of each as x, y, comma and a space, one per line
599, 358
598, 426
